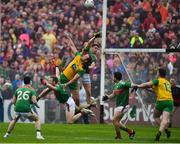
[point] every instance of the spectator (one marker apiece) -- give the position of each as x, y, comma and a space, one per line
136, 40
49, 38
1, 99
17, 82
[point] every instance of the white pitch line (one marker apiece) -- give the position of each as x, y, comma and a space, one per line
59, 136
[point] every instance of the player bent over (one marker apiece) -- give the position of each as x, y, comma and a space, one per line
23, 98
64, 98
121, 92
164, 102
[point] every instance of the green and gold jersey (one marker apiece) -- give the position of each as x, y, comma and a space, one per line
74, 67
61, 95
23, 98
162, 87
121, 90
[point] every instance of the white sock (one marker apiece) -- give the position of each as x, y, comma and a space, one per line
38, 133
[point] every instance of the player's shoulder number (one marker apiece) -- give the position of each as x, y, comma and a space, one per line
168, 87
23, 95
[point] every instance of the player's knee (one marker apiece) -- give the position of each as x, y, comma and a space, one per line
36, 118
115, 121
155, 116
164, 122
88, 93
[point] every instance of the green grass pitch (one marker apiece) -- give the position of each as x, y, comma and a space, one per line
80, 133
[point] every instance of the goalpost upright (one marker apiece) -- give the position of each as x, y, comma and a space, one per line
103, 60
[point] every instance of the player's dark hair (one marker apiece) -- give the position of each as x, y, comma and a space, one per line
27, 80
95, 44
162, 72
118, 75
55, 79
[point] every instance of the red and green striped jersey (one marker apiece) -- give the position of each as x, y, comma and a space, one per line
121, 90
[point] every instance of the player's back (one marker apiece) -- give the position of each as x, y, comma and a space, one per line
23, 99
163, 89
74, 67
121, 90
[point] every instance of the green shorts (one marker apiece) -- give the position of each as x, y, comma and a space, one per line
166, 105
63, 80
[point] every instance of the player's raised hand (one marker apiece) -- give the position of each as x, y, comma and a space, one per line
105, 98
97, 35
43, 81
63, 85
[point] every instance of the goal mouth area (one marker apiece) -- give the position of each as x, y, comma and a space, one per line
148, 50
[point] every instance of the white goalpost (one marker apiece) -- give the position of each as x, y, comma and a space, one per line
103, 60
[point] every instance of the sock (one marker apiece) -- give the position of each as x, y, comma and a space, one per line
159, 133
38, 132
118, 134
166, 130
126, 129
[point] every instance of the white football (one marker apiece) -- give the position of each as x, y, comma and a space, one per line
89, 3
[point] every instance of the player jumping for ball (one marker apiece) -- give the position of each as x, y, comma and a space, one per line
78, 67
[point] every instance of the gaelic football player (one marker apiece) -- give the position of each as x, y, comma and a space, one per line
121, 92
22, 99
63, 97
164, 102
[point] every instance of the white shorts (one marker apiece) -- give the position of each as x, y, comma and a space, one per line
86, 79
122, 109
70, 104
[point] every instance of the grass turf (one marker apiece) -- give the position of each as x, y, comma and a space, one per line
80, 133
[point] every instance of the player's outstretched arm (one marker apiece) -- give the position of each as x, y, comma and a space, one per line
13, 101
43, 93
34, 100
106, 97
71, 44
50, 86
57, 71
146, 85
75, 78
134, 87
89, 43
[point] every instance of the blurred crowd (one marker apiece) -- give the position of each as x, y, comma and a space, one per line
143, 23
32, 38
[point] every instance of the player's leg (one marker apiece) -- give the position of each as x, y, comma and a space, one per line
119, 112
87, 86
34, 117
176, 106
166, 107
168, 110
75, 96
130, 132
12, 124
157, 113
116, 118
70, 111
